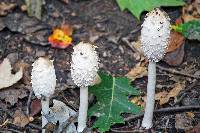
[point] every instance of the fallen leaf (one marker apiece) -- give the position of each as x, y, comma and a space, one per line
11, 95
191, 11
176, 40
190, 114
34, 31
183, 122
20, 119
6, 77
138, 101
175, 58
172, 94
61, 113
138, 71
161, 95
35, 107
6, 8
196, 129
26, 76
60, 37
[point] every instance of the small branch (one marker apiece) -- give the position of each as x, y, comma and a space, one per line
176, 72
29, 102
35, 126
165, 110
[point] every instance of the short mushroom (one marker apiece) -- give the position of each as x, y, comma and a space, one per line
155, 35
43, 81
84, 67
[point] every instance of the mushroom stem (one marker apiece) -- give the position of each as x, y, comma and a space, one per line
148, 115
82, 118
45, 110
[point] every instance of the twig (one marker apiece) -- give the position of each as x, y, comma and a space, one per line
35, 126
126, 41
9, 129
165, 110
29, 102
176, 72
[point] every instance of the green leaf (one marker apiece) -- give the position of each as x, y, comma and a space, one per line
190, 30
112, 100
136, 7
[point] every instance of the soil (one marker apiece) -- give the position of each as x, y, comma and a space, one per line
102, 23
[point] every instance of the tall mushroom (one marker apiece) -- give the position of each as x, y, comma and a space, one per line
84, 67
43, 79
155, 34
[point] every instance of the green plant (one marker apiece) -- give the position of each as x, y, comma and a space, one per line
112, 100
190, 30
136, 7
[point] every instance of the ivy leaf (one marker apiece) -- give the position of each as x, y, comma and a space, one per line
112, 100
136, 7
190, 29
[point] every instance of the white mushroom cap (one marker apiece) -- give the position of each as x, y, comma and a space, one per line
84, 65
43, 77
155, 34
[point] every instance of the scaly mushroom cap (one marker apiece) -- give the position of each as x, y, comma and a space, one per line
43, 77
155, 34
84, 65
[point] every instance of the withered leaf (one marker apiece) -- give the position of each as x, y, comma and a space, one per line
176, 40
173, 93
34, 30
5, 8
138, 71
11, 95
175, 58
6, 77
35, 107
191, 11
20, 119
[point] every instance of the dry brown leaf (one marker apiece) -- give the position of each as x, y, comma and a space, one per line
20, 119
11, 95
190, 114
183, 122
138, 101
172, 94
176, 40
6, 77
196, 129
175, 58
191, 11
160, 95
138, 71
5, 8
137, 46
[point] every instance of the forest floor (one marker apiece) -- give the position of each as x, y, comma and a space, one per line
23, 39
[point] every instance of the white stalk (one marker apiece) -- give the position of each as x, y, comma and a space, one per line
148, 115
82, 118
45, 110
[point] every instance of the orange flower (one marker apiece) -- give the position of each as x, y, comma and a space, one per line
60, 38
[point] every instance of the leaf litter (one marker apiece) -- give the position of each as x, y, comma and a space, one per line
60, 113
6, 77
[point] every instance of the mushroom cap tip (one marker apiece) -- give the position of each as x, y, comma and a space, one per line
43, 77
155, 34
84, 65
